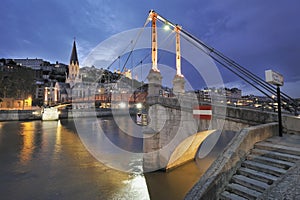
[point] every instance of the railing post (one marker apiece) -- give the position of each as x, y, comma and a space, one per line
279, 111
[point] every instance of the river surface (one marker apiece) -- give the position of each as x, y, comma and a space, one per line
47, 160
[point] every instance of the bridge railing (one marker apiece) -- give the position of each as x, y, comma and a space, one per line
239, 114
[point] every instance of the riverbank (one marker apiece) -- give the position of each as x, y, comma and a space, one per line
27, 115
20, 115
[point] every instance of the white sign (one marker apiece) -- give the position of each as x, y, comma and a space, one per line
274, 78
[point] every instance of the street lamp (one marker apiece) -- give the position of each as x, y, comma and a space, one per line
139, 105
122, 105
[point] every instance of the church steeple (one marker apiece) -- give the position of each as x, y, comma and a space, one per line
73, 75
74, 57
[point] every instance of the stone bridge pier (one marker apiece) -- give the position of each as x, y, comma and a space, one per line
173, 135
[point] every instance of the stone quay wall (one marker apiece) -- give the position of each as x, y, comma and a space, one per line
20, 115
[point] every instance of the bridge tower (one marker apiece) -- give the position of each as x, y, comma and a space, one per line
178, 81
154, 77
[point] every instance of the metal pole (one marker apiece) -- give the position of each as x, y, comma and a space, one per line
279, 111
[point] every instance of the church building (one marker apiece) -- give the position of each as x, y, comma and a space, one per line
63, 92
73, 75
74, 90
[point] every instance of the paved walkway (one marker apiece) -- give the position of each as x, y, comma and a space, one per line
288, 187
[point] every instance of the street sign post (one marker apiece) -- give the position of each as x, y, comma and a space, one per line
275, 78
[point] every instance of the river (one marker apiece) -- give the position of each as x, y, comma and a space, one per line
47, 160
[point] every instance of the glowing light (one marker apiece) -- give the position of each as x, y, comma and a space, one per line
122, 105
139, 105
36, 113
166, 27
136, 184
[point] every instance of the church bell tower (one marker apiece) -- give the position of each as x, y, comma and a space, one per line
73, 75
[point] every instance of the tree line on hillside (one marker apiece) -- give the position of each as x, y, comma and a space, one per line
16, 81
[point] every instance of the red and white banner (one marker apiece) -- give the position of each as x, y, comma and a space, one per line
202, 112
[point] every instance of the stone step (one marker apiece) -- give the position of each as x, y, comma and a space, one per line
270, 161
243, 191
276, 155
263, 168
287, 140
250, 183
267, 178
278, 148
230, 196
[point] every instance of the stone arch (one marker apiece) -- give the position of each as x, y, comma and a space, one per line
187, 149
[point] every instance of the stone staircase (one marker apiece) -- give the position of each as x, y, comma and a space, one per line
267, 162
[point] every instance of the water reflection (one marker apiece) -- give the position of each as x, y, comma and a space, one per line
57, 148
47, 160
28, 133
1, 125
110, 145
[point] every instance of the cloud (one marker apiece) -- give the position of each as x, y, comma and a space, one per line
259, 35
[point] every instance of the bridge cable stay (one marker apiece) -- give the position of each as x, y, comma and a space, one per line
138, 36
211, 50
134, 42
133, 46
266, 85
229, 64
243, 78
111, 64
237, 74
221, 59
130, 43
160, 54
244, 71
147, 55
169, 44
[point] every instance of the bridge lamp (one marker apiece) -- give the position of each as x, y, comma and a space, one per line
139, 105
166, 27
122, 105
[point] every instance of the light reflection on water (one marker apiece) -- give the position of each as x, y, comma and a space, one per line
28, 143
47, 160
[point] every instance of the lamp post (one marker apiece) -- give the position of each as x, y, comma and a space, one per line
279, 111
276, 79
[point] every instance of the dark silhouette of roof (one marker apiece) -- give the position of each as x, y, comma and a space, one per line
74, 57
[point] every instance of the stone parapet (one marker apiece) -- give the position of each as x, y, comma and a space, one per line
291, 124
222, 169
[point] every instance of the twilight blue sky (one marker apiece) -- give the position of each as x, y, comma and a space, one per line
259, 35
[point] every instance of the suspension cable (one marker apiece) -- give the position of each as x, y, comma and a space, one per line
229, 64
